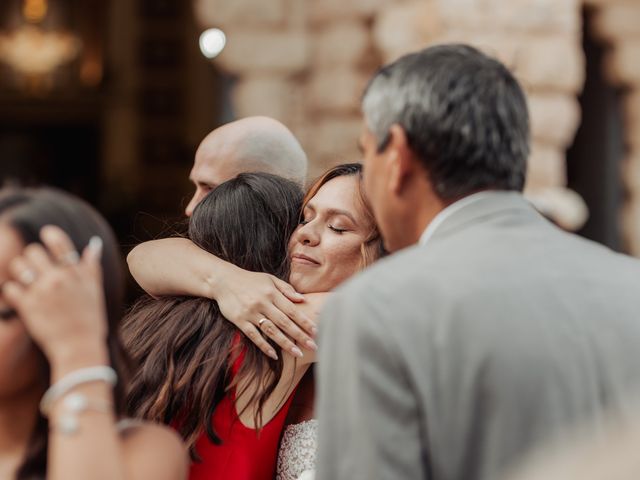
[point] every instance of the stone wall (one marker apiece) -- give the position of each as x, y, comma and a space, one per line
305, 62
618, 23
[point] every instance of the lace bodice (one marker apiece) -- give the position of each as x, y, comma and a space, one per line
297, 455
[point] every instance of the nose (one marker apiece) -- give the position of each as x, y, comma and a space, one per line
307, 234
193, 203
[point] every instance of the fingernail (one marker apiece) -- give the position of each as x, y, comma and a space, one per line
95, 245
297, 352
311, 345
299, 296
314, 330
273, 354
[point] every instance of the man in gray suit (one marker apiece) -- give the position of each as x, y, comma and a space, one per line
492, 331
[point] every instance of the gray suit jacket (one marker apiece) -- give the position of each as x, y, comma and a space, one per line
452, 360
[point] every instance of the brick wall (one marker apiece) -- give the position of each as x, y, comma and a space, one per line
305, 63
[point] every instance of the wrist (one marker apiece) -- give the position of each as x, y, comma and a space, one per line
215, 282
76, 355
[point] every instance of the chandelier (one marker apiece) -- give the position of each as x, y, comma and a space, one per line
33, 51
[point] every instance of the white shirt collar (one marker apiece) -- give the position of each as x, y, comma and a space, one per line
447, 212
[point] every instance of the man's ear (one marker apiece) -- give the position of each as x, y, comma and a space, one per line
399, 158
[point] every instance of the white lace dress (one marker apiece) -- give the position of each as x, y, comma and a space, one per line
297, 454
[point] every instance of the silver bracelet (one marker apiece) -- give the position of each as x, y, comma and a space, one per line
73, 380
73, 405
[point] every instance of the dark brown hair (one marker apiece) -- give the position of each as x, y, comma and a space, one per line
184, 346
373, 247
27, 211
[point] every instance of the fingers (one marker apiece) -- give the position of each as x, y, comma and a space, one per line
20, 270
37, 258
268, 328
92, 255
287, 290
296, 317
59, 245
256, 337
13, 293
289, 327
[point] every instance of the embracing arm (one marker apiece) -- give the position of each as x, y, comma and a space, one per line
176, 266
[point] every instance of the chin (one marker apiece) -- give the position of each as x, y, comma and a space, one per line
296, 281
303, 284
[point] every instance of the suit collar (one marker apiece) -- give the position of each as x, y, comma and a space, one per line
474, 207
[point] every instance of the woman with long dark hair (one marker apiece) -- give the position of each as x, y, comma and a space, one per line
333, 238
63, 370
196, 370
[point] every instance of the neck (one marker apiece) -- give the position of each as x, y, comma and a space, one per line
422, 206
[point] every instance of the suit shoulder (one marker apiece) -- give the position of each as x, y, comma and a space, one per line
392, 276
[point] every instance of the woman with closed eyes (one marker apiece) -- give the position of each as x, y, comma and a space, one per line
335, 238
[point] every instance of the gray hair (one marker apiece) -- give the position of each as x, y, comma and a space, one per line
464, 114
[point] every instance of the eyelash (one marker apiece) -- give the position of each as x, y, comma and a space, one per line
339, 231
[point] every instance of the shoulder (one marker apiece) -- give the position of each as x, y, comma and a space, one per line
390, 280
388, 293
153, 451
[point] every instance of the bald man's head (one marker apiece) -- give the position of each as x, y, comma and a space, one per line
252, 144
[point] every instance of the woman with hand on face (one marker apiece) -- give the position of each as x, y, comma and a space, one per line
63, 370
335, 238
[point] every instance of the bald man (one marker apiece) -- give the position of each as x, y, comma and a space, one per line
252, 144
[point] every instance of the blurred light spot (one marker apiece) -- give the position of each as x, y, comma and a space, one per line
35, 10
91, 72
212, 42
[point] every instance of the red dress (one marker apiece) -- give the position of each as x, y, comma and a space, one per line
244, 454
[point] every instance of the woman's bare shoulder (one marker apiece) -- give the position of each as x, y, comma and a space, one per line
153, 451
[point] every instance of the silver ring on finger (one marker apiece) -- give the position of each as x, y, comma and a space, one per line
69, 258
27, 276
261, 321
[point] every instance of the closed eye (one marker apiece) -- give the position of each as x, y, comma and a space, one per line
337, 230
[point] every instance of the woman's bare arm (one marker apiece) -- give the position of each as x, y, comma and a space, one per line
98, 450
176, 266
64, 311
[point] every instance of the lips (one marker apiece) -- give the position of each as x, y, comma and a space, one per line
304, 259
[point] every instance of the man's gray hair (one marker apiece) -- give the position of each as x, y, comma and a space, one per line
464, 114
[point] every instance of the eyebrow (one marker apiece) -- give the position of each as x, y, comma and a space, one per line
335, 211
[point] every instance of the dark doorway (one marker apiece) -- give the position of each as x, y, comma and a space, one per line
594, 159
64, 156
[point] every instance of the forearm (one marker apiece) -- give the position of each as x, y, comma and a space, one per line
93, 451
176, 266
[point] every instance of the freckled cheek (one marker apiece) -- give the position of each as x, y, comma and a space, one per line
343, 260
